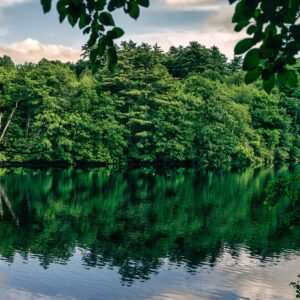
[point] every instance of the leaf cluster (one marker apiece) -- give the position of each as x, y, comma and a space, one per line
94, 17
273, 42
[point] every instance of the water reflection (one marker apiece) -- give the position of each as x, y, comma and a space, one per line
142, 224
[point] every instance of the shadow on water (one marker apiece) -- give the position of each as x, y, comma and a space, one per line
133, 220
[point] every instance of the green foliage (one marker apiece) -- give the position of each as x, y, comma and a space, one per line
195, 58
285, 192
274, 29
185, 106
283, 195
94, 17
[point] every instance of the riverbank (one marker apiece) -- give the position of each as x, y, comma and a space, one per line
83, 164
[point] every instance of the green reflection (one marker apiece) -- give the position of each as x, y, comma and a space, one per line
133, 219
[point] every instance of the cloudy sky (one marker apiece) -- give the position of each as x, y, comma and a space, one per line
26, 34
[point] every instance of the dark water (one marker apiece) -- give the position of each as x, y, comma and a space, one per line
144, 234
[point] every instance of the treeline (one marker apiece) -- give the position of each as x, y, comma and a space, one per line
187, 105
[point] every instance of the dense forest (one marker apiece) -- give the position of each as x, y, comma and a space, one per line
187, 105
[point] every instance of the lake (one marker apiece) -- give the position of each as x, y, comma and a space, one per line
144, 233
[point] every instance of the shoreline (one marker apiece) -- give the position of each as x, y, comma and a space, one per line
129, 165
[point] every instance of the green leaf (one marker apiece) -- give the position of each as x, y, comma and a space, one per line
251, 29
242, 46
87, 30
252, 75
144, 3
116, 33
257, 14
288, 78
134, 10
95, 66
85, 20
76, 2
112, 5
269, 84
62, 16
270, 31
290, 16
112, 58
251, 60
100, 4
72, 20
106, 19
241, 25
46, 4
101, 47
92, 40
75, 11
62, 10
93, 55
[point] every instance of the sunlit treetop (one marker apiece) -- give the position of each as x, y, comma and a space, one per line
270, 50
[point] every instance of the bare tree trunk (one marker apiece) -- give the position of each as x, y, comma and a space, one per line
1, 208
9, 121
27, 127
0, 121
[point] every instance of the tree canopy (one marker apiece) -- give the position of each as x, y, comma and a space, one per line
188, 105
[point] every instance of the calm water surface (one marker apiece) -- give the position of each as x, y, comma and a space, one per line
144, 234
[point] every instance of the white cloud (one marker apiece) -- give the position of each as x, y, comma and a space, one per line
209, 37
31, 50
5, 3
214, 28
221, 19
189, 5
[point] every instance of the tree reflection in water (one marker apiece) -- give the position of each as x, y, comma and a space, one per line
285, 191
4, 201
134, 219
